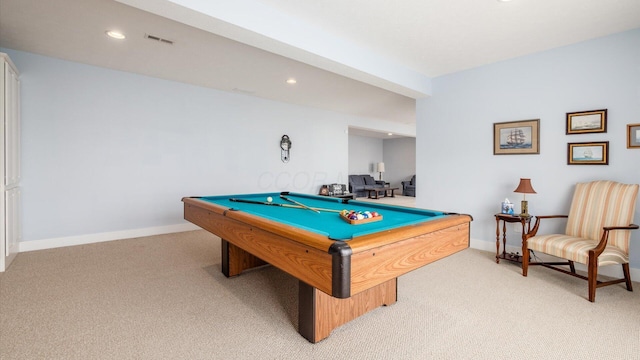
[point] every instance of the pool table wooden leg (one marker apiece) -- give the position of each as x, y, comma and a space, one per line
319, 313
235, 260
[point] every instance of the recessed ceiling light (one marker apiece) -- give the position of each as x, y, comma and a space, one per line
291, 81
504, 0
390, 134
115, 34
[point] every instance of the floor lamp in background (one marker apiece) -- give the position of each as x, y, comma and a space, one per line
380, 168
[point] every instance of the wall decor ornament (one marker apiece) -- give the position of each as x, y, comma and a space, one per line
516, 137
584, 122
285, 147
633, 136
588, 153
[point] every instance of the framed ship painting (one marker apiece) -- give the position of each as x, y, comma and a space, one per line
588, 153
516, 137
583, 122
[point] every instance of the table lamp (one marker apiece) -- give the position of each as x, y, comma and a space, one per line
524, 188
380, 169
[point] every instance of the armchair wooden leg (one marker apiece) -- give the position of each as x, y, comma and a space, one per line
627, 276
592, 277
525, 259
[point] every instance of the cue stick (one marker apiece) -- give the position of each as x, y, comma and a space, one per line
298, 203
281, 205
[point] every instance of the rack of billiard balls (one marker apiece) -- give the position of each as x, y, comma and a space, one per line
360, 217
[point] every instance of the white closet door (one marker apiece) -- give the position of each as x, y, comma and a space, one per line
10, 212
12, 128
13, 226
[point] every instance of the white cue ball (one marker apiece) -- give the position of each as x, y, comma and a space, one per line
269, 199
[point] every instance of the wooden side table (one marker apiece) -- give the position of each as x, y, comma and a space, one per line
505, 218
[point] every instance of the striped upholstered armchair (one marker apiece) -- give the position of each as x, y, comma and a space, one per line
598, 230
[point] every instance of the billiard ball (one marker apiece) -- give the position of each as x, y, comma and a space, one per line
269, 199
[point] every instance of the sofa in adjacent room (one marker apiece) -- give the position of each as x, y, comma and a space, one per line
358, 182
409, 187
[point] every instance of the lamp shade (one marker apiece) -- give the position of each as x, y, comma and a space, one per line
525, 187
380, 167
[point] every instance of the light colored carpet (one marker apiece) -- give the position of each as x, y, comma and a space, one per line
163, 297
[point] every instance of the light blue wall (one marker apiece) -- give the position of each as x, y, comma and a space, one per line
399, 160
364, 154
107, 151
457, 170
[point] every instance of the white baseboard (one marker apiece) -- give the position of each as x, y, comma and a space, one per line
611, 271
101, 237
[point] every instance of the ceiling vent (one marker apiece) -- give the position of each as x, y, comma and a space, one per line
158, 39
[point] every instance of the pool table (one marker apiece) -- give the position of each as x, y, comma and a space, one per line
344, 269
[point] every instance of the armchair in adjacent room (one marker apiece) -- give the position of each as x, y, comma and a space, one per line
409, 187
597, 233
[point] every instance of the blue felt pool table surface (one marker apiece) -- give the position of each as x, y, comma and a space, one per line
325, 222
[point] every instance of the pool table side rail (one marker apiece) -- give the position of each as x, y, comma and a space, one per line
315, 240
337, 268
321, 242
375, 240
374, 266
267, 241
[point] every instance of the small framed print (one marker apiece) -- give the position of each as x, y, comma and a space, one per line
588, 153
633, 136
583, 122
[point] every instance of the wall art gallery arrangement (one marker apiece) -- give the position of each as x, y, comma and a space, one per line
523, 137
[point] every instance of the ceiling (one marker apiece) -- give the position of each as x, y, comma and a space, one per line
368, 58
